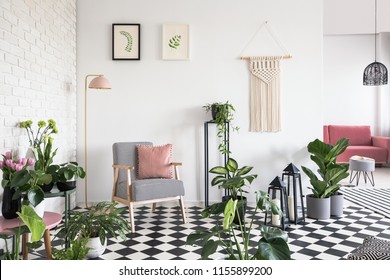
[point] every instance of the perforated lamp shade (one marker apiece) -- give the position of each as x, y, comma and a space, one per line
100, 82
375, 74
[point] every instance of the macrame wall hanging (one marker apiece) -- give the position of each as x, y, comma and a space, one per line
265, 88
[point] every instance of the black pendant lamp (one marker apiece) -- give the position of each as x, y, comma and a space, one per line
375, 73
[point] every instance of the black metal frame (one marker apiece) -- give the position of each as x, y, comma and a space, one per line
294, 176
138, 26
206, 157
285, 220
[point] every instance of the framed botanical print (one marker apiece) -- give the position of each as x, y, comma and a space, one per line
126, 41
175, 42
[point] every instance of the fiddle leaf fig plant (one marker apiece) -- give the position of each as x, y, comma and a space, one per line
330, 173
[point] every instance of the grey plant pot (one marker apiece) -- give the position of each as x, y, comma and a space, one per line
337, 205
318, 208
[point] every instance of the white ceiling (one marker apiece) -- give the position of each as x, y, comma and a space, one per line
355, 16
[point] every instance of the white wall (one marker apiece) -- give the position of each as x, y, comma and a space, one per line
349, 47
162, 101
38, 72
355, 16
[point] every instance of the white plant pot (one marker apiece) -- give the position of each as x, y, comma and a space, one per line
97, 249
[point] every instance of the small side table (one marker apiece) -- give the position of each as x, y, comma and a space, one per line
51, 220
362, 165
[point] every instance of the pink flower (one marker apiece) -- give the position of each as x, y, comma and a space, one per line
18, 167
30, 162
1, 165
9, 163
8, 155
23, 161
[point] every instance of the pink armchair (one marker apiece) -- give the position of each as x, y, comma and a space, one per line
361, 142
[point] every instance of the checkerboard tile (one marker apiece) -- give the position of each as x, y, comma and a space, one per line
161, 235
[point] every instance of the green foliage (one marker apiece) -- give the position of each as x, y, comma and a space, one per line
26, 184
324, 156
235, 238
97, 221
45, 156
64, 172
174, 42
32, 223
223, 117
232, 178
76, 251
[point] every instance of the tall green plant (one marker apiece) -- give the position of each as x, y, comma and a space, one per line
324, 156
234, 238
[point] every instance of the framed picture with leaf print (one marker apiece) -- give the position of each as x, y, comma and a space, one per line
175, 42
126, 41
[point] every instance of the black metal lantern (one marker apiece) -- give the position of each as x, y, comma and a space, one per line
375, 74
278, 194
292, 175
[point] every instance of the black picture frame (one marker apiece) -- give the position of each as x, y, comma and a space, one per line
126, 41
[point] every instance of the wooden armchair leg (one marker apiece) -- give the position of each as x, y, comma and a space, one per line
183, 211
131, 214
154, 205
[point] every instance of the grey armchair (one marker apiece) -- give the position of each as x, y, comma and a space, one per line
130, 190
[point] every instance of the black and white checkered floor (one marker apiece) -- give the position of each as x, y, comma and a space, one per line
162, 235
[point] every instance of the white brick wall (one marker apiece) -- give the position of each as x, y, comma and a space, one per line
38, 72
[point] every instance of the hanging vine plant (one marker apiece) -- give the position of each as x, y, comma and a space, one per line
223, 115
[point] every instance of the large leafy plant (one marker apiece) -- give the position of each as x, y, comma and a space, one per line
330, 173
97, 221
27, 185
30, 222
232, 178
233, 237
66, 171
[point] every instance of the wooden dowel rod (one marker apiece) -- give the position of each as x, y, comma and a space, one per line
281, 57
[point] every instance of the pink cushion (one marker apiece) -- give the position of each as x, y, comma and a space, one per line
154, 161
357, 134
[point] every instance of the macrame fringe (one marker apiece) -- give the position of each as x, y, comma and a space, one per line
265, 94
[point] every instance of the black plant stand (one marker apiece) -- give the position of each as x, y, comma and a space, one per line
206, 157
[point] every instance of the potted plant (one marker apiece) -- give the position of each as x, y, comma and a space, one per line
330, 174
232, 178
27, 186
66, 174
235, 238
223, 115
95, 224
20, 185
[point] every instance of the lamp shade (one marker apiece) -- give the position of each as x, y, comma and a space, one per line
375, 74
100, 82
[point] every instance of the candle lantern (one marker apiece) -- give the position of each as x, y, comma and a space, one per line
277, 192
292, 176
